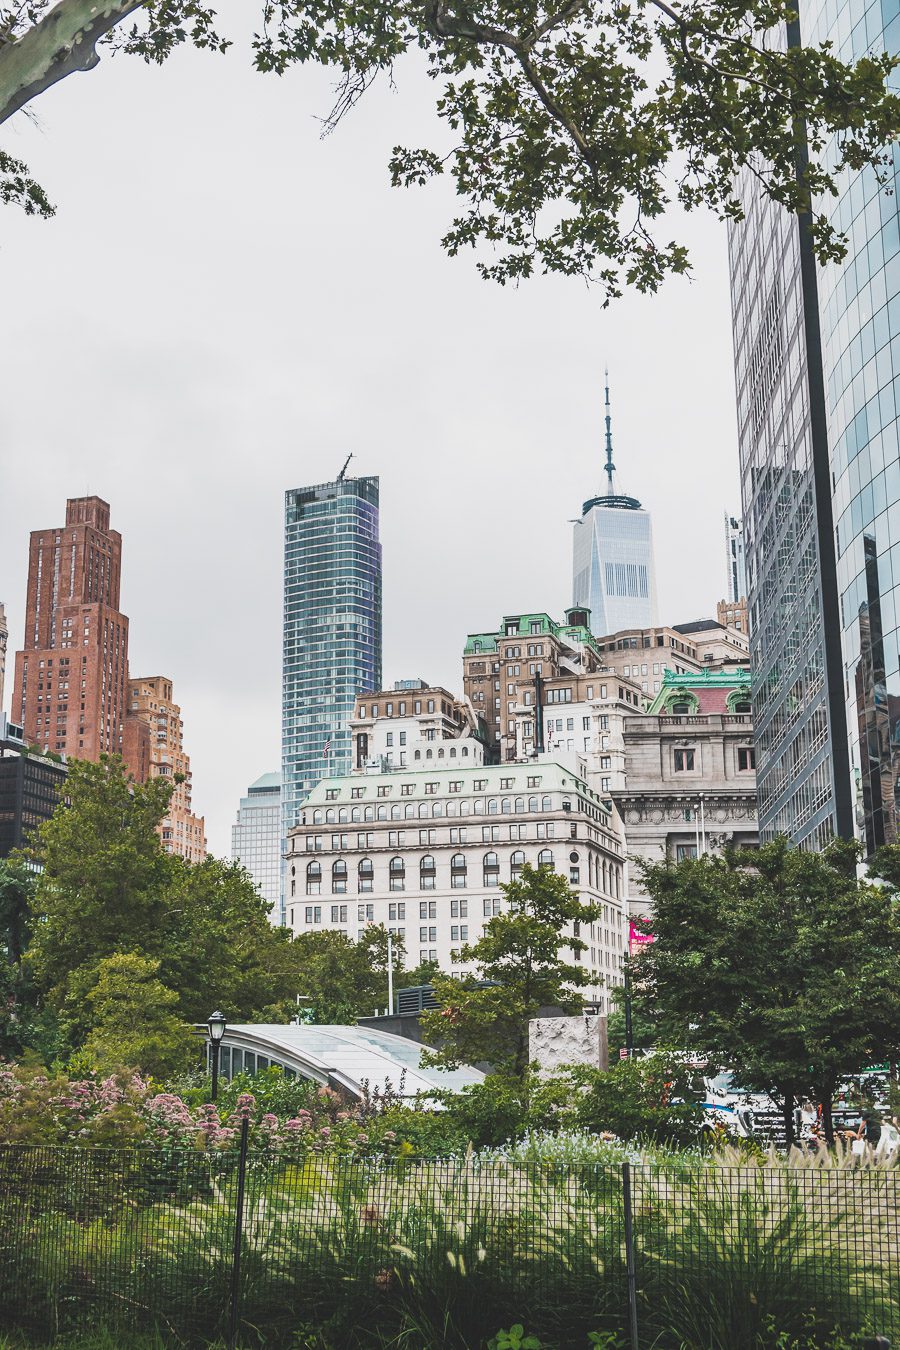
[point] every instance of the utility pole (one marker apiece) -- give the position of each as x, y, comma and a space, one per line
390, 974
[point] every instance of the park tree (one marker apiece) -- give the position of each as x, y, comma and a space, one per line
520, 966
19, 1008
107, 886
338, 979
780, 965
135, 1022
571, 125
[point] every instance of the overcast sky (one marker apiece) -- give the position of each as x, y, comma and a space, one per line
225, 305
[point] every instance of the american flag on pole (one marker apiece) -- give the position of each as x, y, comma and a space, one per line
327, 748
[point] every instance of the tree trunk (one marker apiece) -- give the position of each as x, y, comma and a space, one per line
825, 1101
787, 1116
63, 42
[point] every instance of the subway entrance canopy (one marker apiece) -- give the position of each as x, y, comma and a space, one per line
341, 1057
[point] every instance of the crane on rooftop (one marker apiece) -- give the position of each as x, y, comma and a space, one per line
340, 477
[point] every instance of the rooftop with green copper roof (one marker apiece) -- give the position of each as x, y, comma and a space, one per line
486, 643
703, 690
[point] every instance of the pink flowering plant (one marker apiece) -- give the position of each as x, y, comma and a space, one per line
40, 1107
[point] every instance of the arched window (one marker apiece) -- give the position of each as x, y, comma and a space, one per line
464, 807
382, 812
418, 754
545, 859
682, 703
397, 874
395, 811
314, 878
423, 810
317, 817
329, 816
339, 877
427, 873
342, 816
409, 811
369, 813
506, 806
491, 869
437, 808
546, 804
465, 751
479, 806
441, 753
356, 815
493, 806
429, 754
365, 875
457, 871
605, 887
453, 752
532, 805
519, 807
516, 863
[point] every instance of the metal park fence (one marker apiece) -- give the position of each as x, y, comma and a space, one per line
253, 1249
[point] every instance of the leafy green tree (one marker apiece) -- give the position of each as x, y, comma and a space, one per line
520, 969
19, 1010
107, 886
104, 877
135, 1022
571, 125
339, 980
779, 964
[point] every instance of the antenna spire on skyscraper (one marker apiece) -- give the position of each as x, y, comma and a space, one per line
610, 467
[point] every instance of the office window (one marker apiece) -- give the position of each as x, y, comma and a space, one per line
397, 874
397, 910
313, 878
427, 909
427, 873
459, 909
746, 757
365, 875
339, 877
458, 872
365, 913
338, 913
684, 761
492, 908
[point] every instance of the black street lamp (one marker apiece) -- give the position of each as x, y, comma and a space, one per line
216, 1024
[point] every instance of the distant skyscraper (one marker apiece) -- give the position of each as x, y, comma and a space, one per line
72, 674
150, 701
332, 628
256, 838
612, 557
736, 576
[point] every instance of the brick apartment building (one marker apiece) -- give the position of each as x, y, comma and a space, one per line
70, 689
150, 703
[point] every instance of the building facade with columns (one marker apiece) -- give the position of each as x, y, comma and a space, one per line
424, 852
690, 773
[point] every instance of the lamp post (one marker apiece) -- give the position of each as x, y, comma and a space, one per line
216, 1024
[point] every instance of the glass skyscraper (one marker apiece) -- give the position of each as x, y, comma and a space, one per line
256, 838
815, 347
332, 628
612, 557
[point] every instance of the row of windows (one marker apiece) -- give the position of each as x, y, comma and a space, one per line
491, 806
427, 872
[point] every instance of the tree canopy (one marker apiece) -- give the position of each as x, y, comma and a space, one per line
520, 968
108, 891
571, 125
779, 964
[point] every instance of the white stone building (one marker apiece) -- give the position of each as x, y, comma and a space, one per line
424, 851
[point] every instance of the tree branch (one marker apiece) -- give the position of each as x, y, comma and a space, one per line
64, 41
